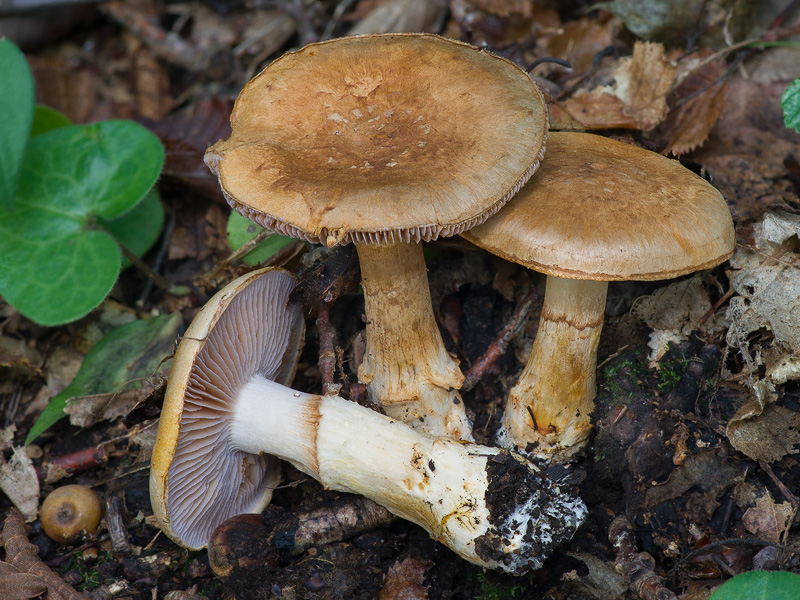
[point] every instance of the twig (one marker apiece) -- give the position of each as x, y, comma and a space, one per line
65, 465
327, 355
235, 257
769, 36
166, 237
634, 566
723, 299
498, 346
727, 542
780, 485
168, 45
116, 527
336, 18
145, 269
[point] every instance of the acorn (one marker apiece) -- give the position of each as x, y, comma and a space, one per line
70, 513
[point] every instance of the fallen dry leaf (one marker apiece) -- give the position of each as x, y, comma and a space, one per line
762, 430
768, 520
675, 21
602, 582
678, 306
699, 102
579, 41
748, 150
150, 81
85, 411
768, 288
673, 311
399, 16
708, 470
597, 109
24, 567
506, 8
636, 97
403, 580
185, 135
642, 83
19, 482
19, 357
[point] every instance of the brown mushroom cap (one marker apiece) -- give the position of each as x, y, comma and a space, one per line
603, 210
380, 138
197, 479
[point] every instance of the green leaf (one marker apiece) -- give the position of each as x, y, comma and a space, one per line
46, 119
131, 351
56, 265
16, 108
139, 228
241, 230
790, 102
760, 585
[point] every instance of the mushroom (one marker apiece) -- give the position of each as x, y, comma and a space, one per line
597, 211
70, 513
386, 141
225, 418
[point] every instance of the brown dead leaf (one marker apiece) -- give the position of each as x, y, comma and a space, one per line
673, 311
598, 109
748, 150
602, 582
636, 98
186, 134
85, 411
17, 355
699, 102
506, 8
65, 82
150, 81
561, 120
768, 520
678, 306
15, 585
762, 430
390, 16
19, 482
404, 580
708, 470
642, 83
579, 41
767, 282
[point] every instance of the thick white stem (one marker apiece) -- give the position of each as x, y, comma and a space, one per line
549, 409
406, 368
493, 508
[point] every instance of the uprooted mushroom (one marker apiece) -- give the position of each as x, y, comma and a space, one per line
597, 211
386, 141
228, 417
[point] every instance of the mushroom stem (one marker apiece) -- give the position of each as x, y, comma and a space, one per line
491, 507
406, 368
549, 409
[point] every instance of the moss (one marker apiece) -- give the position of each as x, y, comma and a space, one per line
670, 371
618, 379
498, 590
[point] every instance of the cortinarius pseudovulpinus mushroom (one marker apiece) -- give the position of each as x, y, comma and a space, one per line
598, 210
225, 418
386, 141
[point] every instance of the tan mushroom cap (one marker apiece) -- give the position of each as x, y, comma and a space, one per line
197, 479
380, 138
603, 210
